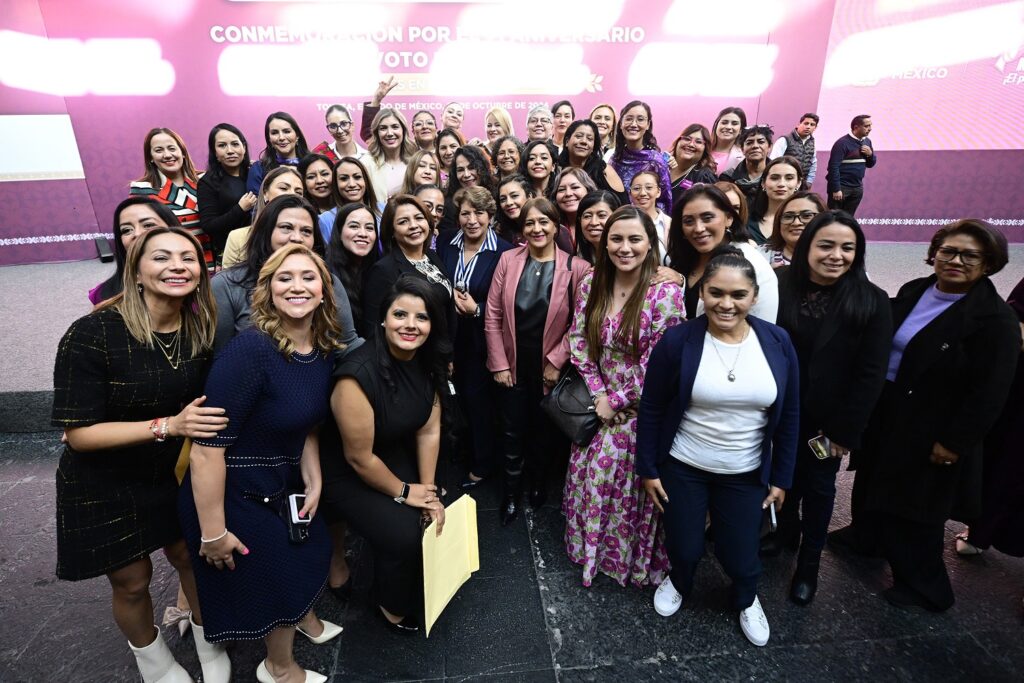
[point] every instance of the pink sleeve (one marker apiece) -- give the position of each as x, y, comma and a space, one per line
493, 318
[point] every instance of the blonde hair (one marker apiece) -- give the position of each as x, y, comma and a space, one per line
503, 119
375, 147
409, 183
265, 317
198, 309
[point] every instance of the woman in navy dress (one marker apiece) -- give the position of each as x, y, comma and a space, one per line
273, 380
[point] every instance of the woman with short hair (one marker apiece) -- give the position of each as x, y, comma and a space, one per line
950, 368
506, 154
497, 124
470, 256
693, 161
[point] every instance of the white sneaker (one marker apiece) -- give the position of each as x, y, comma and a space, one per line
667, 599
754, 624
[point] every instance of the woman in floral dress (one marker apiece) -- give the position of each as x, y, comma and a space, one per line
611, 525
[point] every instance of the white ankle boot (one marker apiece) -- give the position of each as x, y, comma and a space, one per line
157, 664
212, 656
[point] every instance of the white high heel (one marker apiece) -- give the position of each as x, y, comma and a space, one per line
157, 664
330, 632
263, 675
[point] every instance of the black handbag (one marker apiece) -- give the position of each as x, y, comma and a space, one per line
569, 404
570, 407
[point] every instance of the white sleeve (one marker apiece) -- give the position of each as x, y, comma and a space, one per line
767, 306
779, 148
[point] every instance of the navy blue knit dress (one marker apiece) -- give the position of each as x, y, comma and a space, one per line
272, 404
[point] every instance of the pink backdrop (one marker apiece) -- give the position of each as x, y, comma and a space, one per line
219, 60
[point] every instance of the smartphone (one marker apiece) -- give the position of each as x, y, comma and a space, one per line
773, 521
295, 503
821, 447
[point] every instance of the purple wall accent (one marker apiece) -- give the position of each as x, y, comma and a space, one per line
925, 190
47, 220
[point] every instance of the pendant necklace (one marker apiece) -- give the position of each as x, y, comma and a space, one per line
172, 349
730, 372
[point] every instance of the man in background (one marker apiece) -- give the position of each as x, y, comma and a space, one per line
851, 156
800, 144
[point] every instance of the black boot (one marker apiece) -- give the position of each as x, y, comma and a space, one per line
805, 579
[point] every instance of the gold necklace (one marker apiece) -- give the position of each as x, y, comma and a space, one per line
171, 350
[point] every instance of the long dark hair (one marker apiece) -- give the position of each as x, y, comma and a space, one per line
759, 206
268, 157
304, 165
681, 254
344, 264
478, 162
510, 229
594, 164
728, 110
432, 357
369, 196
549, 191
387, 220
213, 167
257, 247
113, 285
585, 249
854, 293
648, 142
603, 284
705, 160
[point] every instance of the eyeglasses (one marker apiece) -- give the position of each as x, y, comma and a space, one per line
968, 258
533, 119
637, 189
424, 123
687, 140
638, 120
344, 125
803, 216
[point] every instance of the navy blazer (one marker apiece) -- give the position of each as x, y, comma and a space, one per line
671, 371
479, 284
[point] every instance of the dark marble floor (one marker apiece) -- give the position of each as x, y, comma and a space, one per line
524, 616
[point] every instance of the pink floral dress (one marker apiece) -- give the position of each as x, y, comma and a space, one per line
611, 525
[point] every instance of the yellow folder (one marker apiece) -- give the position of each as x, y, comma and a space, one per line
449, 559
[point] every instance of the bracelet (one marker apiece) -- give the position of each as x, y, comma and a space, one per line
212, 540
159, 428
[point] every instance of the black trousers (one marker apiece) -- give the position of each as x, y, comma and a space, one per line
527, 430
914, 552
393, 531
475, 388
734, 501
808, 507
849, 202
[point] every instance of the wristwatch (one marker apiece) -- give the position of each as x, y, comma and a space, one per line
477, 312
400, 499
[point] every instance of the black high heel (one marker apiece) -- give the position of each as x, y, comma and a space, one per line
407, 626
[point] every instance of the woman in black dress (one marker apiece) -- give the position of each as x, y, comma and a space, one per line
381, 476
127, 389
273, 380
841, 326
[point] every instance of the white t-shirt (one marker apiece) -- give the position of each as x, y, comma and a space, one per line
723, 427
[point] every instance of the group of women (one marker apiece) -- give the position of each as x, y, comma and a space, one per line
312, 372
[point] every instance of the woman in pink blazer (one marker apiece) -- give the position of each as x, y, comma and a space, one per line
526, 324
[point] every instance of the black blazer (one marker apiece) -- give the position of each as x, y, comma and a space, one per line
469, 328
846, 371
951, 386
384, 273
